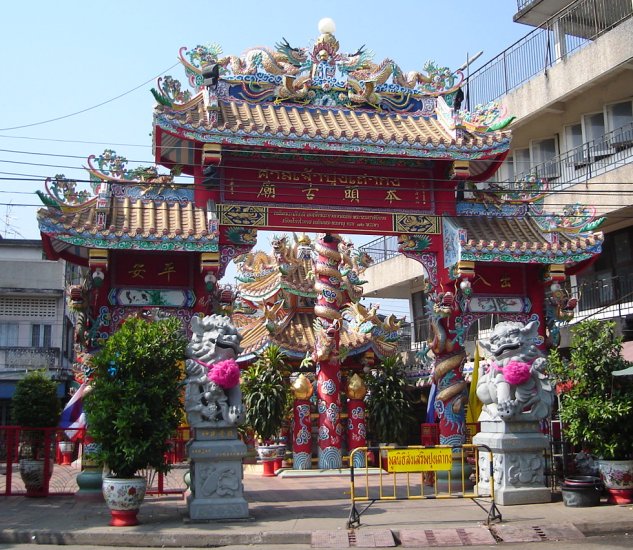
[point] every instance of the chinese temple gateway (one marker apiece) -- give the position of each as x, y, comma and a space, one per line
317, 140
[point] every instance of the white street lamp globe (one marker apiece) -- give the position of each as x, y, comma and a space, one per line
327, 26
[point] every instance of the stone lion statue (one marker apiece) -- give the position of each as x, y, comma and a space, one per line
514, 386
212, 394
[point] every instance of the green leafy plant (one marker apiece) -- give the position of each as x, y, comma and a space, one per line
266, 395
134, 405
596, 408
35, 405
389, 408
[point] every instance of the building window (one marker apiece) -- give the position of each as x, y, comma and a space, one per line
544, 153
593, 126
619, 115
505, 174
521, 162
573, 136
620, 124
8, 334
41, 336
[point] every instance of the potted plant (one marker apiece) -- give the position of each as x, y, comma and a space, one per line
266, 399
134, 408
36, 410
389, 408
596, 409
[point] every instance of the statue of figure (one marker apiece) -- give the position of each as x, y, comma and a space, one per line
212, 395
514, 386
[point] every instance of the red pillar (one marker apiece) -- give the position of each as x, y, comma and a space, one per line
356, 426
302, 425
326, 354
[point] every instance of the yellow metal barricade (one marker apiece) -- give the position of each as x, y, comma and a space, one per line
416, 473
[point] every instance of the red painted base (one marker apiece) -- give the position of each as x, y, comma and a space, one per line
123, 518
269, 468
620, 496
67, 459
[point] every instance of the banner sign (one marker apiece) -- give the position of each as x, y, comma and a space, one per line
152, 270
419, 460
384, 189
327, 220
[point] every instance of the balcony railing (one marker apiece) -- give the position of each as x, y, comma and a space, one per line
565, 33
524, 3
382, 248
589, 160
15, 358
605, 298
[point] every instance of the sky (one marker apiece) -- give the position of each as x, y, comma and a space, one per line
100, 59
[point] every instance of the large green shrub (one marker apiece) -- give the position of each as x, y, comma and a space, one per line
134, 405
596, 408
265, 394
389, 408
35, 405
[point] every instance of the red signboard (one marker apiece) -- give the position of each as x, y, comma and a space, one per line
325, 220
347, 187
500, 279
147, 270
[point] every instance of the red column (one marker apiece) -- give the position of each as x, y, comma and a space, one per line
356, 426
326, 353
452, 395
302, 425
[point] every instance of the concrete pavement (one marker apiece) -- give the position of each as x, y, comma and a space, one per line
305, 510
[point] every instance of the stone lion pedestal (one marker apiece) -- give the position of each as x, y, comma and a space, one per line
217, 490
518, 462
516, 395
213, 402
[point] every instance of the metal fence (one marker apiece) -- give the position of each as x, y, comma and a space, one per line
593, 158
62, 461
418, 473
565, 33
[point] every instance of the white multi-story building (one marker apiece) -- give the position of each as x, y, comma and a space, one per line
569, 82
35, 330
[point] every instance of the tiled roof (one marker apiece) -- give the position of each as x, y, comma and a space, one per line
241, 118
296, 337
522, 240
130, 219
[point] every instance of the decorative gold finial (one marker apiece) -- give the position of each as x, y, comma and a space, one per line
301, 387
356, 388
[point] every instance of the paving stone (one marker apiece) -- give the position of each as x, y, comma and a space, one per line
517, 533
467, 536
562, 531
472, 536
372, 539
330, 539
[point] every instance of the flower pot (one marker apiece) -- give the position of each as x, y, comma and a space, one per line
268, 455
617, 476
124, 497
581, 491
66, 449
32, 473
